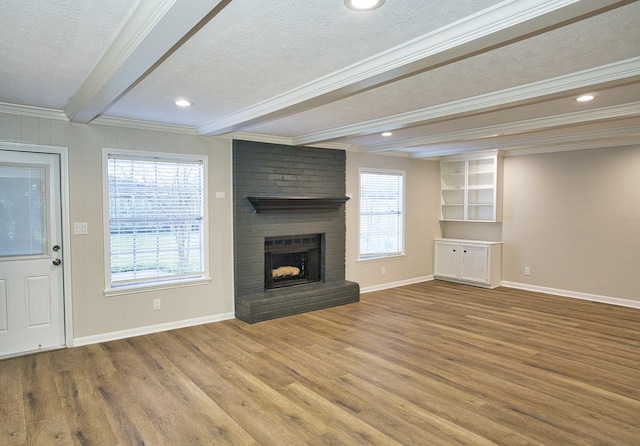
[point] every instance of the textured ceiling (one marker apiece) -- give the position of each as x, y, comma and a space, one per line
446, 76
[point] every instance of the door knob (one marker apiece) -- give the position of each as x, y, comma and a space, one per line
56, 248
57, 262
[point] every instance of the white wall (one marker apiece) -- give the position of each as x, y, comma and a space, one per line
422, 202
96, 317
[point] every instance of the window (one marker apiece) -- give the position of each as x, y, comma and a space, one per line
381, 213
156, 218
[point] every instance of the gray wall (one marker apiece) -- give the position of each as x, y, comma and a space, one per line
95, 316
574, 219
421, 226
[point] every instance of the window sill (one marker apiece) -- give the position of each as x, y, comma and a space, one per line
381, 258
155, 287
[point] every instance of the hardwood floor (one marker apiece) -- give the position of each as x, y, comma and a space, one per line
427, 364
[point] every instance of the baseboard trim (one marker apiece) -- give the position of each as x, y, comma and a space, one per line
140, 331
386, 286
122, 334
574, 294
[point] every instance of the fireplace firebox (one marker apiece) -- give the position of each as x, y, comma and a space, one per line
292, 260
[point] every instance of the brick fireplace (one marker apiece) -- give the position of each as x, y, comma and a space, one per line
289, 230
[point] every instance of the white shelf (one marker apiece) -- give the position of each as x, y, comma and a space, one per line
470, 188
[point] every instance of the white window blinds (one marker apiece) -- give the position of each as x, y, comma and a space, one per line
381, 213
156, 219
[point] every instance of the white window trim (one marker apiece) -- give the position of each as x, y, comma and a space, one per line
160, 285
374, 170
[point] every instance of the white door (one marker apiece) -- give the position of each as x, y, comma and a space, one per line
475, 263
31, 275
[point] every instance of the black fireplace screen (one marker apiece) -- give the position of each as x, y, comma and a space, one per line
292, 260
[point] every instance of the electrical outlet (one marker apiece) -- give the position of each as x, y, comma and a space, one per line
383, 271
156, 304
527, 271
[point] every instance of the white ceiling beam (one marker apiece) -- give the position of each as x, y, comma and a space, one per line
572, 139
495, 26
617, 72
512, 128
524, 148
153, 31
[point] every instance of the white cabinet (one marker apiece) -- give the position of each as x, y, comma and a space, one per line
470, 188
468, 261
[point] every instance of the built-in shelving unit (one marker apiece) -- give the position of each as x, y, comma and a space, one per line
470, 188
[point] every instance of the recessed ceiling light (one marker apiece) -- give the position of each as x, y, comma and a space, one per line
585, 98
183, 103
386, 133
363, 5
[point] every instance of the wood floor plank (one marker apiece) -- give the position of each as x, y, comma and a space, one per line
12, 417
39, 388
166, 403
219, 428
350, 428
426, 406
53, 431
87, 422
128, 421
304, 424
432, 363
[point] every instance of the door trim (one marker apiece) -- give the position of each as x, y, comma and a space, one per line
63, 153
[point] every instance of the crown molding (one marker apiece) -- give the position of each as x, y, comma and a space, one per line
259, 137
144, 125
487, 29
34, 112
396, 154
283, 140
49, 113
58, 115
614, 72
334, 146
581, 145
512, 128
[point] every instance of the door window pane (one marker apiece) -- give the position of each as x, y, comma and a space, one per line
23, 208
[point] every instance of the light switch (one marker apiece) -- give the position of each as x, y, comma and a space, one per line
220, 195
80, 228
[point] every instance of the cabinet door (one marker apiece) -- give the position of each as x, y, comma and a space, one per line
446, 257
475, 263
